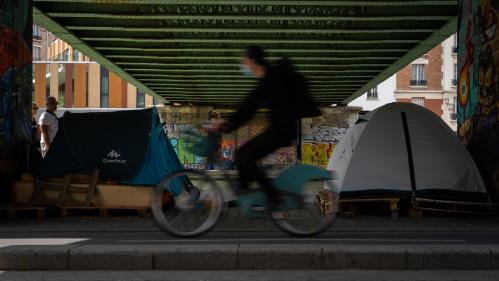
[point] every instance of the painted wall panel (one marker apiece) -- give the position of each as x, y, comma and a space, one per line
478, 87
131, 96
115, 91
54, 85
149, 100
40, 83
68, 85
80, 87
93, 85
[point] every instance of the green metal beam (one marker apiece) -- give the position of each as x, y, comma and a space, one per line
311, 77
43, 20
235, 86
238, 90
248, 41
239, 50
150, 70
154, 81
264, 2
198, 29
245, 17
271, 59
436, 38
214, 66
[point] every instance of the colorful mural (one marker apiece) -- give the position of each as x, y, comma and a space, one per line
181, 143
15, 71
478, 62
319, 142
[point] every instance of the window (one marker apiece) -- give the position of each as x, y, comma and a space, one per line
418, 75
453, 115
372, 94
141, 99
76, 55
454, 47
36, 32
454, 77
36, 53
104, 87
418, 101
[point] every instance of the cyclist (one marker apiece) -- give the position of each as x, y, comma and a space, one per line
283, 92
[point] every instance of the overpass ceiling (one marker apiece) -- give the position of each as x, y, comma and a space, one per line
188, 51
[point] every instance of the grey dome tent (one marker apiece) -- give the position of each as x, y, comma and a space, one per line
405, 150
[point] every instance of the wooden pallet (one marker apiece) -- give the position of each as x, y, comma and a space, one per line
101, 211
393, 204
422, 204
13, 212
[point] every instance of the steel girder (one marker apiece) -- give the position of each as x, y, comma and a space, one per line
188, 51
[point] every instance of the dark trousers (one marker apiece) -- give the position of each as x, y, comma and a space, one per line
254, 150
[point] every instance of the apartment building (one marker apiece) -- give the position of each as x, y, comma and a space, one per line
77, 81
431, 81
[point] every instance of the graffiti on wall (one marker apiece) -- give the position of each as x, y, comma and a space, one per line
282, 156
181, 143
319, 142
478, 85
15, 71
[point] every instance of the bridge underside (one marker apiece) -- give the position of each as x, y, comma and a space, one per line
188, 51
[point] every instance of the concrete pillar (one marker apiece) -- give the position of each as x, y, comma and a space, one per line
16, 33
478, 93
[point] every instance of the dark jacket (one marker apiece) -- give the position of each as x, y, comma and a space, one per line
281, 91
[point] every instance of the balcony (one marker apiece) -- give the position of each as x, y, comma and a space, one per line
454, 82
418, 83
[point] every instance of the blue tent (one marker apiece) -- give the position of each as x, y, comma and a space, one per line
129, 146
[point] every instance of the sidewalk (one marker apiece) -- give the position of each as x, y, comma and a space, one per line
55, 251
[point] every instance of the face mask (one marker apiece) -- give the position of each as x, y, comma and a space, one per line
245, 70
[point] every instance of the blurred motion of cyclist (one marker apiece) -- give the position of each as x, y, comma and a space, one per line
281, 90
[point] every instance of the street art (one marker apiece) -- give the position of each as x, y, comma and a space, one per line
318, 146
317, 154
228, 147
181, 143
15, 71
283, 156
324, 133
478, 120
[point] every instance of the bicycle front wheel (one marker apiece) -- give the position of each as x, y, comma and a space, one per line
187, 203
309, 213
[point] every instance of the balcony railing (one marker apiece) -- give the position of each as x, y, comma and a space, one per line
418, 82
454, 82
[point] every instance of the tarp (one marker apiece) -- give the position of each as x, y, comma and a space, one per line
384, 147
160, 160
126, 146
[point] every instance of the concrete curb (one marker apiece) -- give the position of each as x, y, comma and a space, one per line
250, 257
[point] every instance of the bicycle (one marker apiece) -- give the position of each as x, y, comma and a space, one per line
189, 203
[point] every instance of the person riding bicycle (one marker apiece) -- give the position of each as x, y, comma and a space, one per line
281, 90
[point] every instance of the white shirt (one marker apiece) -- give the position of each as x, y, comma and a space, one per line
50, 120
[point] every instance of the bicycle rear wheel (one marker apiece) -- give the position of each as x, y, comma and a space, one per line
187, 203
305, 216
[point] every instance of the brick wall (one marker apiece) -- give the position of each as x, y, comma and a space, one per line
435, 105
403, 78
433, 72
